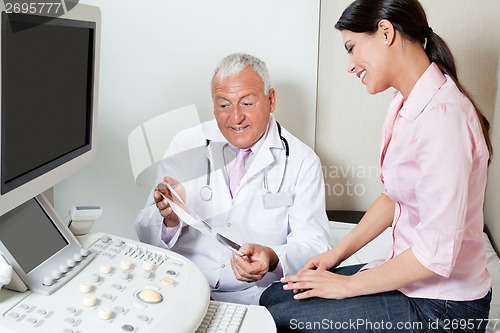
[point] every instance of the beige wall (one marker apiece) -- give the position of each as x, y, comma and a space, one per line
160, 60
349, 120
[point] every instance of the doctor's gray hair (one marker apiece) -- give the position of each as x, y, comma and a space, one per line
235, 63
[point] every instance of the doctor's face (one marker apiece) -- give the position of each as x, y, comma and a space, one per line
241, 108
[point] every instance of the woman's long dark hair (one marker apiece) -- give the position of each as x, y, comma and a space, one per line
408, 17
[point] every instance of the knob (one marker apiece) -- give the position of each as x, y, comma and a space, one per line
118, 242
63, 268
105, 268
125, 275
48, 281
77, 257
84, 252
105, 238
85, 287
147, 274
89, 300
71, 262
105, 313
125, 264
148, 265
95, 278
56, 274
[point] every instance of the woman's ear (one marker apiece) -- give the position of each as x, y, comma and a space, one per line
386, 30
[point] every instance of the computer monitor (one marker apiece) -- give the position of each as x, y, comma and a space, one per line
49, 87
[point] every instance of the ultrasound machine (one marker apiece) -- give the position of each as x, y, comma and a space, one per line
54, 281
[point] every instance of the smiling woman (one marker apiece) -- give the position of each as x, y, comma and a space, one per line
434, 162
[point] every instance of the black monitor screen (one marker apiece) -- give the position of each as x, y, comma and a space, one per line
47, 79
29, 235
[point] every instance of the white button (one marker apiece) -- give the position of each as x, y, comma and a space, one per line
41, 312
148, 265
48, 281
95, 277
13, 315
177, 262
85, 287
89, 300
71, 262
125, 264
56, 275
77, 257
63, 268
119, 309
107, 296
84, 252
105, 268
105, 313
143, 317
105, 238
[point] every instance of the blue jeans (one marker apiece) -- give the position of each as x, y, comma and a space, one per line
383, 312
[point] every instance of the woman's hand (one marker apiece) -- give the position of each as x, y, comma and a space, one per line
317, 283
325, 260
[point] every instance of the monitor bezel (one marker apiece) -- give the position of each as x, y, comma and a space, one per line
50, 175
7, 185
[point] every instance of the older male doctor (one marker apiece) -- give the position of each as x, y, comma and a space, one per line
251, 180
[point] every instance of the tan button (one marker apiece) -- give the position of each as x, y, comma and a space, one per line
150, 296
167, 281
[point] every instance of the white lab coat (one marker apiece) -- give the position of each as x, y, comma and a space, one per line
294, 232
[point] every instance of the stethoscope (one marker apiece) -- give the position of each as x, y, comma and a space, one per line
206, 190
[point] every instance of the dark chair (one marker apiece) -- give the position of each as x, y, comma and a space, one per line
348, 216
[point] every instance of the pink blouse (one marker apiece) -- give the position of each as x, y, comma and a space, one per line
434, 166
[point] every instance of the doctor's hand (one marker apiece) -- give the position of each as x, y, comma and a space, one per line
257, 261
170, 219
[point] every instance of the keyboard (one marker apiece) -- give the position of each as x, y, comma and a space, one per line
223, 318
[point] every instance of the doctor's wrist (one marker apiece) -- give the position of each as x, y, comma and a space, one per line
273, 259
170, 223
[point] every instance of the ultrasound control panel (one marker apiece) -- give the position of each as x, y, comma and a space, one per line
105, 283
127, 287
